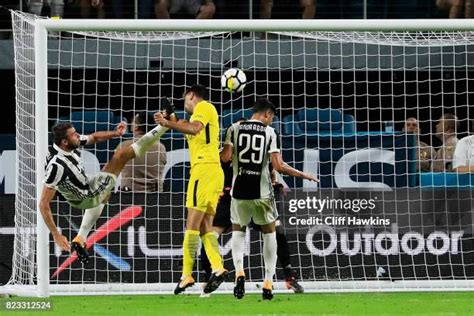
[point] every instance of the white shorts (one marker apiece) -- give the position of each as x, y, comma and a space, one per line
262, 211
100, 187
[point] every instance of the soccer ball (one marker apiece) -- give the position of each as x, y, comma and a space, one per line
233, 80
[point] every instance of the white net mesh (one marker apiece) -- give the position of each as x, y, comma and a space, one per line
341, 99
23, 266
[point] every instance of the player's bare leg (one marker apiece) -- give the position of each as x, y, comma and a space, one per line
140, 147
119, 160
269, 258
115, 166
238, 247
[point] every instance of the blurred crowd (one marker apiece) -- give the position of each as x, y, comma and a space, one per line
453, 154
265, 9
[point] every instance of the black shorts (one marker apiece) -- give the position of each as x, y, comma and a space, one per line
222, 217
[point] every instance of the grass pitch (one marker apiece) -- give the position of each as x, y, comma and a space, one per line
444, 303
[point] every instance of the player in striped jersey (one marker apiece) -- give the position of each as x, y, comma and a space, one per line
65, 174
252, 145
222, 224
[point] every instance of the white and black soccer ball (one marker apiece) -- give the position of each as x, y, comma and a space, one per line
233, 80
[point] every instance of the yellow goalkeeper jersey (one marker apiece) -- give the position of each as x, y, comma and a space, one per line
204, 147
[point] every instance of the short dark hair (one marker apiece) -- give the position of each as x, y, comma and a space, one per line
451, 121
144, 122
60, 131
198, 89
263, 105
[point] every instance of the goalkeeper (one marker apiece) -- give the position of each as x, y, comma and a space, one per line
65, 174
205, 185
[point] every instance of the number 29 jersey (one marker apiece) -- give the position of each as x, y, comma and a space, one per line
252, 143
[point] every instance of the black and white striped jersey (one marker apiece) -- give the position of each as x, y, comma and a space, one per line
65, 173
252, 143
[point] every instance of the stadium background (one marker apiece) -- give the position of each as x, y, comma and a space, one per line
390, 106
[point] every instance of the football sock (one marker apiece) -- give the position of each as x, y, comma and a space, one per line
144, 143
238, 246
190, 245
90, 217
205, 264
269, 255
209, 240
288, 271
283, 249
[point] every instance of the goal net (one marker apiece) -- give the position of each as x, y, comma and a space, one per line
389, 212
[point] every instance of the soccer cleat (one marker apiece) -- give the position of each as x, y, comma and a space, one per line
239, 289
184, 284
267, 291
215, 281
81, 251
292, 284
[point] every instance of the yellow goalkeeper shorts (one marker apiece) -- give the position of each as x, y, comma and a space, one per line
204, 188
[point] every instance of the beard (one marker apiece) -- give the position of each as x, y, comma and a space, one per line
72, 146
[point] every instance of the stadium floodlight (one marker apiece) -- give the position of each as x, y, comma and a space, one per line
358, 73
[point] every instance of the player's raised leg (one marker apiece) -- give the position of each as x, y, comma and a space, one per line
106, 181
122, 156
141, 146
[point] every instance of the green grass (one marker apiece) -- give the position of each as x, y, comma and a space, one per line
445, 303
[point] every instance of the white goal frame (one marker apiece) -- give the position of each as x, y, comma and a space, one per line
42, 26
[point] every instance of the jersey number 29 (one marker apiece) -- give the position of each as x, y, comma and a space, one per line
251, 148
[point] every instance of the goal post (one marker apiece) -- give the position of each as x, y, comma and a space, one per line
109, 62
41, 148
350, 25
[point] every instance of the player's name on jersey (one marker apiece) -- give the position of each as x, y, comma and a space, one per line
252, 127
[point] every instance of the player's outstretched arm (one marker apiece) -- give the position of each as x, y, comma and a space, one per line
185, 127
282, 167
98, 137
45, 207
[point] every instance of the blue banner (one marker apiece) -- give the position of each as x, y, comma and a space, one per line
362, 160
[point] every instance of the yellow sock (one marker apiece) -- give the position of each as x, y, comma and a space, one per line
190, 245
209, 240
